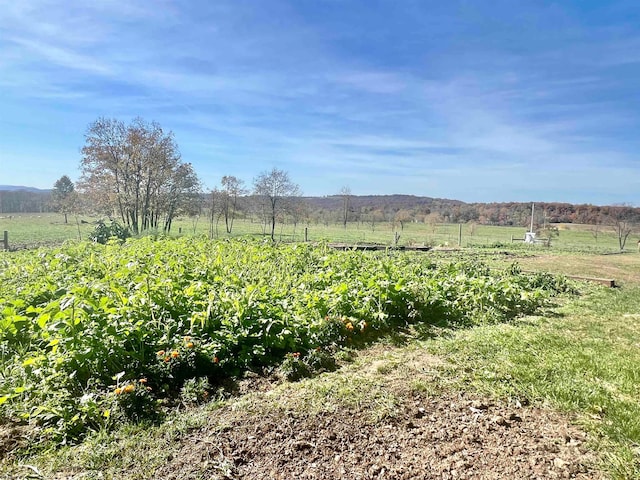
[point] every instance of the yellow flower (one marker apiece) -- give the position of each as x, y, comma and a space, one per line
190, 345
349, 326
174, 354
160, 353
118, 391
129, 388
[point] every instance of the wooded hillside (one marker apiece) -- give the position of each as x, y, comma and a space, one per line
381, 208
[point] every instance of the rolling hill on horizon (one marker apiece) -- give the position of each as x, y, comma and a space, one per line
16, 188
15, 198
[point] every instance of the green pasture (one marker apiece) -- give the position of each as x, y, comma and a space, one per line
32, 230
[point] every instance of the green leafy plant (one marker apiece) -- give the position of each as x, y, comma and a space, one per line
103, 233
172, 311
195, 390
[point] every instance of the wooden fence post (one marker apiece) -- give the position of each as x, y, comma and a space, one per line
6, 240
306, 234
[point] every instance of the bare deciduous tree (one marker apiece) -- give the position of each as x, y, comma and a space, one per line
136, 172
373, 217
402, 216
345, 193
232, 190
278, 192
622, 221
215, 211
595, 228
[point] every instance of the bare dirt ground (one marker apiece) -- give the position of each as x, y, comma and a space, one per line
383, 428
443, 436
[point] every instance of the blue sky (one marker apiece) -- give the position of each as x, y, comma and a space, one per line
479, 100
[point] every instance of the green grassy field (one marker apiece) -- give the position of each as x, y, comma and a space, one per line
32, 230
29, 230
571, 237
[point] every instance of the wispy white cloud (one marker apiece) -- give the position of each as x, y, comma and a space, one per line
63, 57
244, 85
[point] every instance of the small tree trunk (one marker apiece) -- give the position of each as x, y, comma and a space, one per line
273, 227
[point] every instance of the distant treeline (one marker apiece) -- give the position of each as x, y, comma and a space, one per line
381, 208
427, 209
25, 201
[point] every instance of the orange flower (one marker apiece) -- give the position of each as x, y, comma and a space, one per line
349, 326
143, 380
216, 359
160, 353
190, 345
117, 391
129, 388
166, 359
174, 354
296, 354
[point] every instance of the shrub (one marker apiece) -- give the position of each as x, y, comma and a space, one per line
102, 233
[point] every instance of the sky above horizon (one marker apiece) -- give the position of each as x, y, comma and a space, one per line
470, 100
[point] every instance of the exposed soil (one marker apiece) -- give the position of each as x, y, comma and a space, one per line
444, 437
269, 430
11, 437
